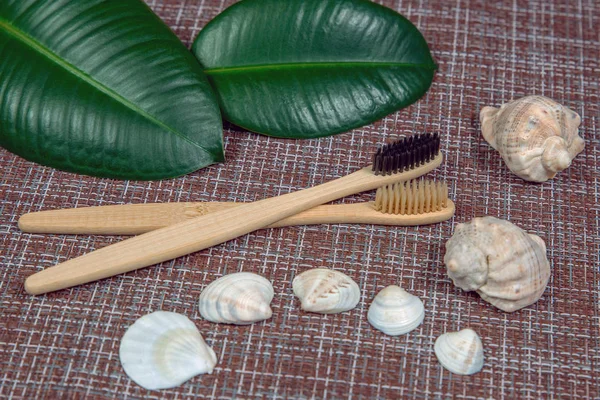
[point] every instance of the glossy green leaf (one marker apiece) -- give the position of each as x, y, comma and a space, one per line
103, 88
312, 68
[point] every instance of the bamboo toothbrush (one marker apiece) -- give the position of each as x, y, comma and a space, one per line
416, 203
403, 160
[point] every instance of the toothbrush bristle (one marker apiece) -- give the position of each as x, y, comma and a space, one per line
406, 153
412, 198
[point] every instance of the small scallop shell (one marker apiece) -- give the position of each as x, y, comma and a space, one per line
536, 136
326, 291
504, 264
460, 352
241, 299
395, 312
164, 349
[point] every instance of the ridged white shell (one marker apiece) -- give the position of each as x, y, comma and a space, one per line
504, 264
241, 299
536, 136
164, 349
395, 312
326, 291
460, 352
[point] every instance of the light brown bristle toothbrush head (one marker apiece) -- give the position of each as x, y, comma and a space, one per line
412, 198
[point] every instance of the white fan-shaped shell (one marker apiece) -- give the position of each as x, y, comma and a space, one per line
395, 312
504, 264
460, 352
536, 136
241, 298
164, 349
326, 291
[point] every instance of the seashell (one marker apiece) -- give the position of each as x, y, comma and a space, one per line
504, 264
326, 291
536, 136
460, 352
163, 349
395, 312
241, 299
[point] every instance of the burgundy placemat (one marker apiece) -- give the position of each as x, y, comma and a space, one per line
65, 345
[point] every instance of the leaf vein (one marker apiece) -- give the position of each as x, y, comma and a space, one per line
344, 64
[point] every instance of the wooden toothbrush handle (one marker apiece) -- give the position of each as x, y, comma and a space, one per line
127, 219
205, 231
135, 219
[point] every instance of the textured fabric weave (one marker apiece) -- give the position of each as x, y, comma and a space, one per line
66, 344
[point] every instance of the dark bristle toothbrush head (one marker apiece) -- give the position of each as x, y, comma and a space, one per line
406, 153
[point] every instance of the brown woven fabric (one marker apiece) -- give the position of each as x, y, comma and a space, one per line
66, 344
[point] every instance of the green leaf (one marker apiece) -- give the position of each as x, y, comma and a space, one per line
103, 88
312, 68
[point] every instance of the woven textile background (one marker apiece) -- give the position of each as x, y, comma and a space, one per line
66, 344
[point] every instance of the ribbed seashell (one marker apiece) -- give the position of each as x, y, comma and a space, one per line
460, 352
504, 264
326, 291
163, 349
536, 136
241, 299
395, 312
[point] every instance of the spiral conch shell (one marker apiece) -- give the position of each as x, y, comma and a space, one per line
536, 136
163, 349
326, 291
395, 312
241, 299
504, 264
460, 352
